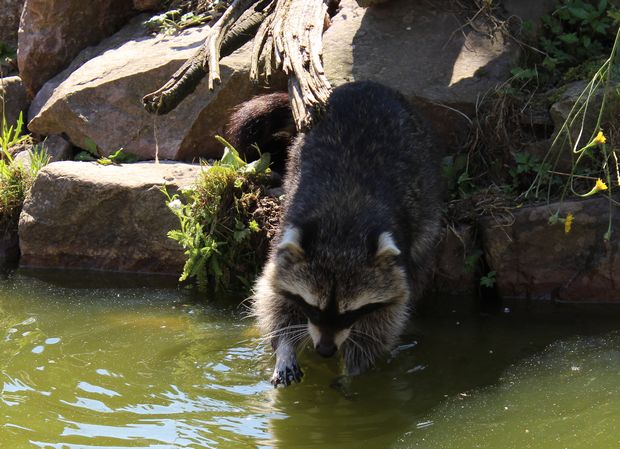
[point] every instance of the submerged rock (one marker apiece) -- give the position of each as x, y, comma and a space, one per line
535, 260
89, 216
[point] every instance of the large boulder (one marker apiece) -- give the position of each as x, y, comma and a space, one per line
13, 99
535, 260
10, 12
427, 51
52, 33
89, 216
100, 99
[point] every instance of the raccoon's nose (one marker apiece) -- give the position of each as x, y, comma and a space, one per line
326, 349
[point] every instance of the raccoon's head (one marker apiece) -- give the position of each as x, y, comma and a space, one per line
350, 288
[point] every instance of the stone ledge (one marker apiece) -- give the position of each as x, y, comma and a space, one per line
89, 216
535, 260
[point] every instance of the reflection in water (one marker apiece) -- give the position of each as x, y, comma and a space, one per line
146, 367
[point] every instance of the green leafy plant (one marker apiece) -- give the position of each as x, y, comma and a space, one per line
15, 182
226, 221
11, 135
173, 21
488, 280
575, 39
91, 153
118, 157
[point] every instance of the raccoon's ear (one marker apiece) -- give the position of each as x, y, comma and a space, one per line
290, 243
386, 247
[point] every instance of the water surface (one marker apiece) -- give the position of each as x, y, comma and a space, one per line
110, 363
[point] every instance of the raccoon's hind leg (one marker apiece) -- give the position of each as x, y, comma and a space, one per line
287, 369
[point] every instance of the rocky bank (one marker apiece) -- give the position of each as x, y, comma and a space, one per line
83, 70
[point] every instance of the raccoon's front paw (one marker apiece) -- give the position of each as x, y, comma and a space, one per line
285, 374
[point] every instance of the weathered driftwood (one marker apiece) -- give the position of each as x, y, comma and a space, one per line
236, 27
288, 37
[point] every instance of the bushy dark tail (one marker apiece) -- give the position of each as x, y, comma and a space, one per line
265, 121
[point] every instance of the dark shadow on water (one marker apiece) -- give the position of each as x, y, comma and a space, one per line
449, 350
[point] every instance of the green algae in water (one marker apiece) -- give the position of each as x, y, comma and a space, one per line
90, 366
568, 397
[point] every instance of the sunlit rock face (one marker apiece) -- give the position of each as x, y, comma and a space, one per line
428, 51
89, 216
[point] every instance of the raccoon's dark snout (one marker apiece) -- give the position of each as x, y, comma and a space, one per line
326, 349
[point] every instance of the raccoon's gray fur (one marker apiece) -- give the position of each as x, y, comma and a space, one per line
361, 217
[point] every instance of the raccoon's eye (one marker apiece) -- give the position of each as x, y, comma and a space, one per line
312, 312
348, 318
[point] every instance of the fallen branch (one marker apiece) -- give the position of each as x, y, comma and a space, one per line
288, 37
236, 27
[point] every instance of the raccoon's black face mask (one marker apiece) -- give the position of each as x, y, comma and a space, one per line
334, 303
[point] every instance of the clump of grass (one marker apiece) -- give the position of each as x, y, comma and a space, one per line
15, 179
11, 136
226, 221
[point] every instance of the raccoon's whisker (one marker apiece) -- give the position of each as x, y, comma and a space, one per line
366, 335
301, 336
365, 352
282, 330
285, 332
246, 308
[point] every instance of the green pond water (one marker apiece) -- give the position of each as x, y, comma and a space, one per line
108, 363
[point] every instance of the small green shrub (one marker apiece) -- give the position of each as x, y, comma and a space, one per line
575, 39
15, 182
92, 153
15, 179
226, 221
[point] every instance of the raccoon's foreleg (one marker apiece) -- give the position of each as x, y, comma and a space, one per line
287, 369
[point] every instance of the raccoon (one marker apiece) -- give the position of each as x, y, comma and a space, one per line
361, 217
263, 122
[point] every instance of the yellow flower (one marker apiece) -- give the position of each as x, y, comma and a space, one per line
600, 138
568, 222
600, 185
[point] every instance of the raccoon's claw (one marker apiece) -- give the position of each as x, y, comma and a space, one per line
286, 375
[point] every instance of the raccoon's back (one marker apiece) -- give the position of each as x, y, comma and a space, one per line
369, 151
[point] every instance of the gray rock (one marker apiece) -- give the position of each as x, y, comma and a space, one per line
9, 249
423, 50
100, 99
10, 11
560, 110
13, 100
89, 216
148, 5
52, 33
529, 10
366, 3
58, 148
535, 260
452, 274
